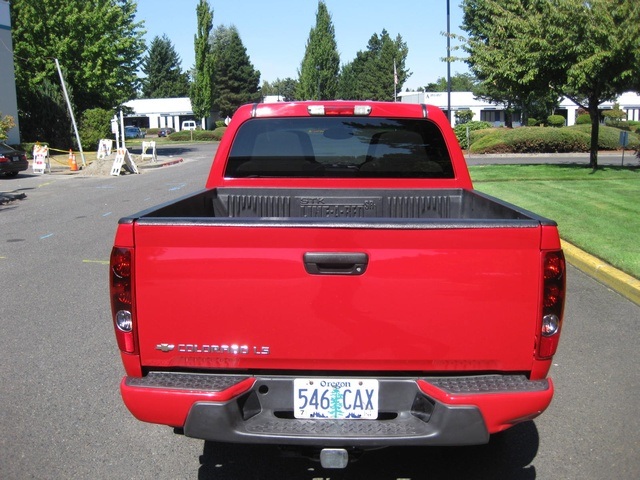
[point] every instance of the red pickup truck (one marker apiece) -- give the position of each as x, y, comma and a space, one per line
340, 285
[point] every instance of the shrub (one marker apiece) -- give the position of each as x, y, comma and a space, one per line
152, 131
583, 119
608, 137
548, 140
615, 116
463, 116
218, 132
461, 131
220, 123
95, 124
532, 140
6, 123
198, 135
532, 122
28, 147
556, 121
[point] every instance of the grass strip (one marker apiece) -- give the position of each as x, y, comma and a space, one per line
599, 211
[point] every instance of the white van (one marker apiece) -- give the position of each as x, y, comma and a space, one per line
189, 125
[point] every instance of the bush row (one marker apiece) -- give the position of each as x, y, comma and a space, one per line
547, 140
198, 135
473, 127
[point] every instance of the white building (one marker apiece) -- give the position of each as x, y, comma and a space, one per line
492, 113
8, 99
160, 112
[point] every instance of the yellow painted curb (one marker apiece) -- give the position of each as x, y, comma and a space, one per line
624, 284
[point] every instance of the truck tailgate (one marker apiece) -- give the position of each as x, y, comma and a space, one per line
436, 300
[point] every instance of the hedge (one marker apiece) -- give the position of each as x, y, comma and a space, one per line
461, 131
548, 140
198, 135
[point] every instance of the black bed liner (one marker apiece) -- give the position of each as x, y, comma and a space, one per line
407, 208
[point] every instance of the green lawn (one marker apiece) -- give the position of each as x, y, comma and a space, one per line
598, 212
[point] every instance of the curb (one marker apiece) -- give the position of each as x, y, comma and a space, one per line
161, 164
624, 284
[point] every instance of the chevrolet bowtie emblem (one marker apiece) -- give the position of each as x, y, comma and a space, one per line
165, 347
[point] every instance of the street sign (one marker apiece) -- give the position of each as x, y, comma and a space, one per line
624, 138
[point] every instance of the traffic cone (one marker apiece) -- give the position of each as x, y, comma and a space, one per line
73, 166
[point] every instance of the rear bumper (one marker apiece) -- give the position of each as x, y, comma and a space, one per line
13, 167
413, 411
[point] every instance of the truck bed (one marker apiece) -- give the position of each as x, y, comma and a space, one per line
447, 207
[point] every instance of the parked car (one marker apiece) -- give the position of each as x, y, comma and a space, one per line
165, 132
12, 161
133, 132
189, 125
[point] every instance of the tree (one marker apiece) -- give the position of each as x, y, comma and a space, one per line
44, 116
500, 56
587, 51
593, 53
201, 89
95, 124
371, 75
97, 43
285, 88
164, 77
460, 82
236, 80
6, 123
318, 74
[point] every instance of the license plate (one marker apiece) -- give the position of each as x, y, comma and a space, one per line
16, 159
334, 398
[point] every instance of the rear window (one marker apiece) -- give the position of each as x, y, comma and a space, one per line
339, 147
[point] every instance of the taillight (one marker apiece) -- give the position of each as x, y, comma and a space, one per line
122, 305
553, 295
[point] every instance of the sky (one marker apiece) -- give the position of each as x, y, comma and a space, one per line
275, 32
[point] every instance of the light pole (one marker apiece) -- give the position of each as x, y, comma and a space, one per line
448, 63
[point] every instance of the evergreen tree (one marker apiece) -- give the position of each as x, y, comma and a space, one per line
201, 89
164, 77
236, 80
348, 82
284, 88
370, 76
318, 74
99, 46
460, 82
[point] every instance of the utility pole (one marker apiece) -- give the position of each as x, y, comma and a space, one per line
73, 119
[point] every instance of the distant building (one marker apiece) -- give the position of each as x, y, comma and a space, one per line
492, 113
8, 98
160, 112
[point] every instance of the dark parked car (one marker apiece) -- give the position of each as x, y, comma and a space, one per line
165, 132
12, 161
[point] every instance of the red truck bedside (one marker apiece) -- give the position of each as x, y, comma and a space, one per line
338, 284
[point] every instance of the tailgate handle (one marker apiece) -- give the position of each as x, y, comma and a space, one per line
335, 263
